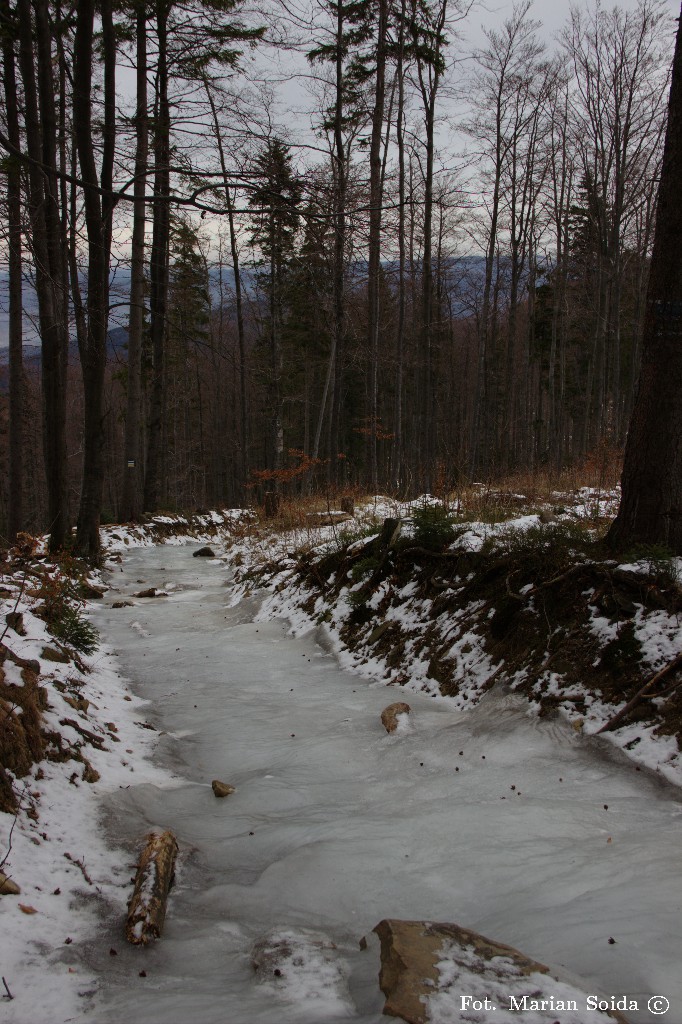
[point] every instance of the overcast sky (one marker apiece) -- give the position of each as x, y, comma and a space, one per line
552, 13
292, 93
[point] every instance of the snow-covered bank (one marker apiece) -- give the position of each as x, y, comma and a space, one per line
175, 529
52, 847
402, 629
91, 739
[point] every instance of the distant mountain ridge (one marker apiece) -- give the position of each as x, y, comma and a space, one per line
463, 274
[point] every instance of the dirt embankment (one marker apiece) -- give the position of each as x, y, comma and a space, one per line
41, 602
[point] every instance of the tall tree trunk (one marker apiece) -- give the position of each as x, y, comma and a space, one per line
15, 520
158, 268
427, 411
397, 460
241, 342
133, 475
651, 504
427, 28
276, 426
98, 211
48, 253
374, 263
338, 354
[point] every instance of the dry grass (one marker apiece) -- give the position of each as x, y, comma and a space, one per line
496, 500
534, 491
600, 470
295, 510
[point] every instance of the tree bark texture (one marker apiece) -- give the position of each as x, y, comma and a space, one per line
15, 521
147, 907
651, 504
36, 64
133, 477
374, 265
98, 209
338, 353
158, 267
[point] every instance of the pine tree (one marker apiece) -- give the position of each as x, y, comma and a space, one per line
186, 419
275, 202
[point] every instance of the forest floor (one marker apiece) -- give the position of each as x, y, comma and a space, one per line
516, 592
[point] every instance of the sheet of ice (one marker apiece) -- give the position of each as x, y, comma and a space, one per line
518, 828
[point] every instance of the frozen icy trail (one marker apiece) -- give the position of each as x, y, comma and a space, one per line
490, 819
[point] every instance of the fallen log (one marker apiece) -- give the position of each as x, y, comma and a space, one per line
147, 907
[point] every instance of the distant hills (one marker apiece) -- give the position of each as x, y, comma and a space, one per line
120, 291
464, 277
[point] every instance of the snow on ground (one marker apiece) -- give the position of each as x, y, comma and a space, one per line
302, 969
53, 849
177, 529
495, 991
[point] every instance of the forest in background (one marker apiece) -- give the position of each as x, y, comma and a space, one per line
449, 284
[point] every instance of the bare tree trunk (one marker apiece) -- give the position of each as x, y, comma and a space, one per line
397, 468
338, 355
651, 504
374, 264
158, 268
15, 520
561, 193
276, 426
48, 253
98, 211
430, 43
133, 470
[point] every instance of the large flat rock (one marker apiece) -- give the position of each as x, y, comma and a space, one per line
440, 973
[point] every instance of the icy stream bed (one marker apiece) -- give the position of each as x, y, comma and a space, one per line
514, 827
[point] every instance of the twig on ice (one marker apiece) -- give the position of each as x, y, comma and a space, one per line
81, 865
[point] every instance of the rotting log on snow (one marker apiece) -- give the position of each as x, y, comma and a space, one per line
147, 907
